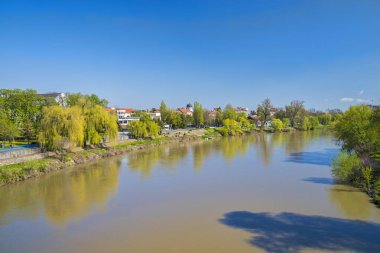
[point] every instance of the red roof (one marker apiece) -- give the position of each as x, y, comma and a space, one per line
126, 110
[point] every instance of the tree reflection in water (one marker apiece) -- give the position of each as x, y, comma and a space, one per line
62, 197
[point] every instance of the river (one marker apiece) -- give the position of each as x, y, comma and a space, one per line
255, 193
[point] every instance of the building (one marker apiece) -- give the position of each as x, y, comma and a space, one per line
213, 114
59, 97
185, 111
124, 115
240, 110
272, 111
155, 114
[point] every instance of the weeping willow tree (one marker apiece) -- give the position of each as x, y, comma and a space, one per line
61, 128
100, 125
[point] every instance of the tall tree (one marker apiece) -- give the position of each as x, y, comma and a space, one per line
294, 110
198, 114
229, 112
263, 111
164, 112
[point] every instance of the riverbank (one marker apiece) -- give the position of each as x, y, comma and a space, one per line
13, 173
21, 171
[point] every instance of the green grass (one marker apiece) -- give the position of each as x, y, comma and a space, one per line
15, 172
157, 140
211, 132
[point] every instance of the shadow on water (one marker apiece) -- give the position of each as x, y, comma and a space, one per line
291, 232
324, 157
319, 180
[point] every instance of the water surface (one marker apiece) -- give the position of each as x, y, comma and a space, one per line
256, 193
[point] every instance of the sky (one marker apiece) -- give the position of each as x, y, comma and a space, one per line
137, 53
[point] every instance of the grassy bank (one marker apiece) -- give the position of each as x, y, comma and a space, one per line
21, 171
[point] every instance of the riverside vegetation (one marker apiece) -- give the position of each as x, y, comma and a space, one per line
358, 130
82, 122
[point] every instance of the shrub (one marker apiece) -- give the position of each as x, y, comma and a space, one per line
345, 167
277, 125
376, 190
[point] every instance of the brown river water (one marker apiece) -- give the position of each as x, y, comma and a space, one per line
255, 193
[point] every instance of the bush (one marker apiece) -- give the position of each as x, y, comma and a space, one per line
277, 125
376, 190
346, 167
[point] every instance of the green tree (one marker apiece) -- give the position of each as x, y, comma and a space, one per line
352, 129
229, 112
263, 112
294, 110
153, 129
277, 125
61, 128
138, 129
325, 119
198, 115
100, 125
165, 113
346, 167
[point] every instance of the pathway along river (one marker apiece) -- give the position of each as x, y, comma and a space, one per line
256, 193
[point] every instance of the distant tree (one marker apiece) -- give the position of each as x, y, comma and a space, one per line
325, 118
277, 125
164, 112
152, 128
229, 112
78, 99
263, 111
100, 125
23, 109
280, 114
294, 110
8, 130
138, 129
198, 115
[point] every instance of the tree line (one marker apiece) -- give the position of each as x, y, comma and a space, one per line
265, 117
33, 117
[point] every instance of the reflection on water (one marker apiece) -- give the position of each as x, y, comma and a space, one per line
350, 201
62, 197
66, 196
121, 202
170, 155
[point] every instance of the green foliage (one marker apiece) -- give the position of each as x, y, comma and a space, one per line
353, 129
325, 119
198, 114
294, 110
314, 122
229, 113
61, 127
231, 127
286, 122
263, 112
367, 177
245, 124
277, 125
99, 124
81, 100
153, 129
23, 109
138, 129
165, 114
376, 190
346, 167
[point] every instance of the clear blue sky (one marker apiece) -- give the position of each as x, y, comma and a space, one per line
136, 53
